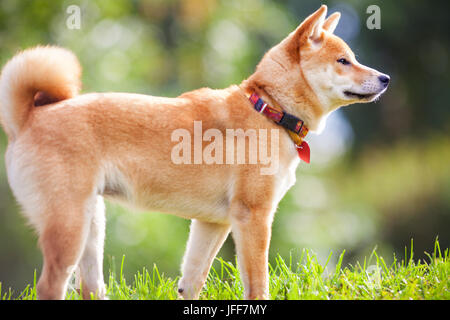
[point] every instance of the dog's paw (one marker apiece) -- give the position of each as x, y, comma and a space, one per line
188, 291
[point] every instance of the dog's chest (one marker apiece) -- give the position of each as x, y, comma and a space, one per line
286, 180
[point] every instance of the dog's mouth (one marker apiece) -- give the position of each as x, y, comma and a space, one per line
360, 96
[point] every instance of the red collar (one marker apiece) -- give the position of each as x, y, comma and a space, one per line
295, 126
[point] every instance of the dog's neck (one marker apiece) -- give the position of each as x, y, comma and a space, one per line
294, 126
302, 109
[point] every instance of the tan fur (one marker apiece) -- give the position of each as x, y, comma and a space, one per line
66, 151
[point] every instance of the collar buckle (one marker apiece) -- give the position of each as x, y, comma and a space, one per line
295, 126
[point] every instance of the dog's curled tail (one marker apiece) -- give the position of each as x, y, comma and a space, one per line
36, 77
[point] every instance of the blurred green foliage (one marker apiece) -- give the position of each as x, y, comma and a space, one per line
389, 183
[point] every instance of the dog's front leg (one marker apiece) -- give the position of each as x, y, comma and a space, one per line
205, 240
251, 230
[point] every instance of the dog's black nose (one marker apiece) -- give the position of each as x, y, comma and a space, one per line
384, 80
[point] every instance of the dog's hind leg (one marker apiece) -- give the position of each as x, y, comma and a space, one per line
91, 263
62, 241
205, 240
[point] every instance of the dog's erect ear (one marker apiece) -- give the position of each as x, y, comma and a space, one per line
332, 21
308, 33
317, 25
311, 29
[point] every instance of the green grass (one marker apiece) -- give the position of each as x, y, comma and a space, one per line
304, 278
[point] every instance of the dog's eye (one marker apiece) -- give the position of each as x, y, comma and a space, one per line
345, 62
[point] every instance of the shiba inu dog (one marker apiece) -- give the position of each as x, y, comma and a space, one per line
67, 151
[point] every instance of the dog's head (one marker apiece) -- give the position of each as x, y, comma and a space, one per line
330, 66
312, 71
